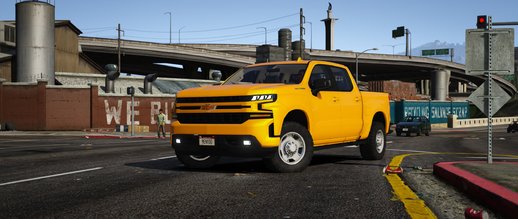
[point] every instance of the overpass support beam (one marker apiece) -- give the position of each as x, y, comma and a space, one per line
440, 82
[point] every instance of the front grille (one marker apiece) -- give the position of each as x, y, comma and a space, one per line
217, 118
213, 99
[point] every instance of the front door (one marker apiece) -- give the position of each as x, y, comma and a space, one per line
326, 110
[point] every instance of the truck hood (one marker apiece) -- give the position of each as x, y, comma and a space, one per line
229, 90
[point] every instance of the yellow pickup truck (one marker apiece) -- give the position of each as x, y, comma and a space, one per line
281, 112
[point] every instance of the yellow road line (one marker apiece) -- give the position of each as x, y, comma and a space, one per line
414, 206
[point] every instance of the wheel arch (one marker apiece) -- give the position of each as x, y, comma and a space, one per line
297, 116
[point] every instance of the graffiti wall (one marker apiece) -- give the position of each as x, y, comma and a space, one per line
436, 111
116, 110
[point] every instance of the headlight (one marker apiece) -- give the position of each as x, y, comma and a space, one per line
264, 97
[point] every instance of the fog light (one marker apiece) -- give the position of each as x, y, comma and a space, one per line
178, 141
247, 142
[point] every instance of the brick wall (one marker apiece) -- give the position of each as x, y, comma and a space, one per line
396, 89
41, 107
23, 106
67, 108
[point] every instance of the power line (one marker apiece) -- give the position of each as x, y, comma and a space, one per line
217, 29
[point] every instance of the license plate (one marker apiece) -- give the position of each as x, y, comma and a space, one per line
207, 141
405, 129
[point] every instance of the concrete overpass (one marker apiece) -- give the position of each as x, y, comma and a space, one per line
140, 58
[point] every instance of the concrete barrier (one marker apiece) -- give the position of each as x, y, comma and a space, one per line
453, 122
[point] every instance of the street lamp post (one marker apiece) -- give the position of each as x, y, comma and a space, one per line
179, 31
393, 47
357, 56
170, 25
265, 35
311, 34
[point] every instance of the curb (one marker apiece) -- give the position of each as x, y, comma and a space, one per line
118, 137
497, 197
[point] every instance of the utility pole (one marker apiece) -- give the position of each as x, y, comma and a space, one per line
302, 31
119, 47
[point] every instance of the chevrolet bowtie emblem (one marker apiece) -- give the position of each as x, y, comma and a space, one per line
208, 107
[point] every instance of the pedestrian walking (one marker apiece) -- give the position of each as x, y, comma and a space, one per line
161, 123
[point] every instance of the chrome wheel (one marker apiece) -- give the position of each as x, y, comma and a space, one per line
292, 148
380, 141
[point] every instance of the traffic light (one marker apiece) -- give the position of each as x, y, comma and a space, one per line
482, 22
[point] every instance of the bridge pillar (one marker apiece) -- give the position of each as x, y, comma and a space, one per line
425, 87
461, 87
440, 82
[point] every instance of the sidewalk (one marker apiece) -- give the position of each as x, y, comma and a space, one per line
90, 135
494, 185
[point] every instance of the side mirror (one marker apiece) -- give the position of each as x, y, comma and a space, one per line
320, 85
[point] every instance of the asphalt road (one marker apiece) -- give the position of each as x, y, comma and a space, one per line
75, 177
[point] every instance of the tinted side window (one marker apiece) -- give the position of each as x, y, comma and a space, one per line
343, 82
322, 72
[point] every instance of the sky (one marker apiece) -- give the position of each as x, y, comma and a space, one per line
361, 24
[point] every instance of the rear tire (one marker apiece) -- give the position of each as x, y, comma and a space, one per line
398, 133
295, 150
374, 147
197, 161
418, 132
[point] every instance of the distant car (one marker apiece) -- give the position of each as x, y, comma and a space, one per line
414, 124
513, 127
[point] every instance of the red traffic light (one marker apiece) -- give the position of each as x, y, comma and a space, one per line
482, 22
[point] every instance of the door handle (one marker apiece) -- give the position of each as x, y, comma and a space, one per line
335, 99
357, 99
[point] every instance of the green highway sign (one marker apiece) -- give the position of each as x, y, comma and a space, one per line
428, 52
442, 52
435, 52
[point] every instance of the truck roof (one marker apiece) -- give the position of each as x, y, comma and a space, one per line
287, 62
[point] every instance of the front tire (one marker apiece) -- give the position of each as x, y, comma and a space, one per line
295, 150
374, 147
197, 161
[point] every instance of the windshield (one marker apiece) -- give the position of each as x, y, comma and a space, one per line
269, 74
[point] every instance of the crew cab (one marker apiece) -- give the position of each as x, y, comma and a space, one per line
281, 112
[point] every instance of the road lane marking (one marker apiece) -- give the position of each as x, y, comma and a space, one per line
352, 146
163, 158
389, 142
414, 206
403, 150
50, 176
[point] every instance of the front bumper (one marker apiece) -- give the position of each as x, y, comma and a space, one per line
411, 129
225, 145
